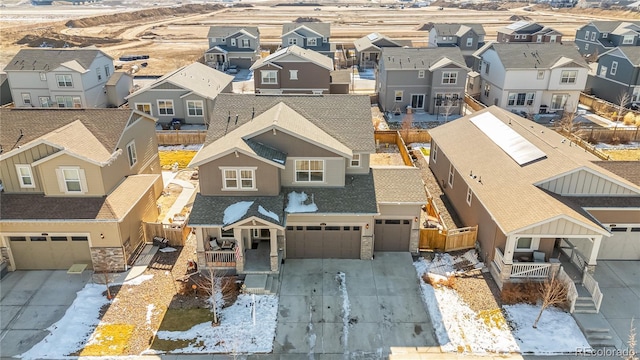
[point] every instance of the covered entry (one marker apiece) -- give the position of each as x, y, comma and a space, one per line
49, 252
392, 235
340, 242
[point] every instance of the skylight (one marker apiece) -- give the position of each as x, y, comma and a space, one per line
512, 143
516, 25
372, 36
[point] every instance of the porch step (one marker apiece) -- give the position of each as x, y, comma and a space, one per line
597, 330
261, 284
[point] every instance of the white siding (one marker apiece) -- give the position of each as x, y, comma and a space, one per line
585, 183
559, 227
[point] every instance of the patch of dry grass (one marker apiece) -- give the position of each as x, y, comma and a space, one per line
182, 157
493, 318
109, 340
623, 154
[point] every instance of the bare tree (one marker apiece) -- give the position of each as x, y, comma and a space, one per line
631, 344
567, 121
447, 106
213, 284
407, 124
623, 100
553, 292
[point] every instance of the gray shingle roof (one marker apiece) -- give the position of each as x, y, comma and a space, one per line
399, 185
530, 55
372, 39
629, 170
49, 59
38, 206
267, 152
209, 210
453, 29
358, 196
321, 28
225, 31
347, 118
632, 53
106, 124
610, 26
604, 201
419, 58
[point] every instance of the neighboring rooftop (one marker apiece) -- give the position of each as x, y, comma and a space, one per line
309, 55
631, 52
321, 28
376, 40
611, 26
629, 170
226, 31
209, 210
386, 184
419, 58
458, 29
534, 55
50, 59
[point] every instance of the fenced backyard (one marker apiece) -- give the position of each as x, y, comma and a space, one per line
181, 137
448, 240
175, 233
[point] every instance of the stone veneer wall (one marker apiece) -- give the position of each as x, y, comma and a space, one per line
414, 241
366, 248
108, 259
4, 254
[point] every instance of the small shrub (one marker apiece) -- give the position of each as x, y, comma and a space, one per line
523, 292
629, 119
615, 140
637, 120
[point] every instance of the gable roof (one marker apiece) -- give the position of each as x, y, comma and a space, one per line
521, 27
420, 58
458, 29
226, 31
632, 53
370, 40
534, 55
304, 54
347, 118
505, 188
22, 126
50, 59
322, 28
209, 210
629, 170
386, 184
611, 26
195, 77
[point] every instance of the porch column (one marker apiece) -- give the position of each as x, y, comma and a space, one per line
509, 248
273, 241
199, 239
595, 248
237, 234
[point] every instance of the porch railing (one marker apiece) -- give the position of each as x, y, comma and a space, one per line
574, 255
572, 291
498, 259
530, 270
593, 288
220, 258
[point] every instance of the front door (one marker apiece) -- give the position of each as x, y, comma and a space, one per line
417, 101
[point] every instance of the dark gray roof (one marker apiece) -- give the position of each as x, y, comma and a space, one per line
106, 124
629, 170
209, 210
632, 53
604, 201
452, 29
358, 196
225, 31
399, 185
321, 28
535, 55
267, 152
419, 58
40, 207
49, 59
610, 26
347, 118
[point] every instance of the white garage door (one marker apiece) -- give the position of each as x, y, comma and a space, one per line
624, 244
49, 252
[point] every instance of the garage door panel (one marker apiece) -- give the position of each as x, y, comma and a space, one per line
44, 252
337, 242
392, 235
621, 245
313, 242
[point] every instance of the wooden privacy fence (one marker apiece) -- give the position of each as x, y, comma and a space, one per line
448, 240
602, 107
176, 234
584, 144
599, 134
474, 104
181, 137
408, 136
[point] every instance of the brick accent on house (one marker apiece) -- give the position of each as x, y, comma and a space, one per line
366, 249
202, 260
274, 263
414, 240
107, 259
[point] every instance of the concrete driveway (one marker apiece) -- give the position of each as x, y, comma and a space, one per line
30, 301
379, 306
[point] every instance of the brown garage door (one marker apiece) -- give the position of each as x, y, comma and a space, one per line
325, 242
392, 235
49, 252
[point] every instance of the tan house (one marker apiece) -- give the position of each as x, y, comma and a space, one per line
289, 177
76, 186
531, 191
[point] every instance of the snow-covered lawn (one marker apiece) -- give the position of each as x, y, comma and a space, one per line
240, 330
459, 329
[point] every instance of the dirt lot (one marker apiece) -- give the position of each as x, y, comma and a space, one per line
174, 36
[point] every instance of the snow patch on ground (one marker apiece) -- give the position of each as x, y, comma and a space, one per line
168, 249
237, 333
557, 331
138, 280
296, 203
150, 308
235, 212
346, 309
268, 213
70, 333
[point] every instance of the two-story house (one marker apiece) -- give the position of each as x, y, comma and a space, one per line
77, 185
598, 37
187, 94
65, 78
289, 177
425, 79
531, 78
467, 37
293, 70
232, 46
314, 36
524, 31
537, 195
617, 74
368, 49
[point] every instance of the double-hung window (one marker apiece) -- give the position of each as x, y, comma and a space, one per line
614, 67
195, 108
558, 101
568, 76
355, 160
144, 107
71, 180
25, 176
449, 77
64, 80
309, 171
627, 39
26, 99
269, 76
238, 178
312, 41
69, 101
165, 107
469, 41
131, 153
245, 43
451, 175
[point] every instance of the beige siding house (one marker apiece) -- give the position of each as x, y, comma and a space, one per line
289, 177
532, 195
76, 186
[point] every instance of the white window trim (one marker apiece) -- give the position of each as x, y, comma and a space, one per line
614, 68
469, 196
242, 43
30, 175
48, 101
469, 41
540, 74
266, 72
395, 95
233, 42
293, 74
132, 154
292, 41
535, 244
420, 74
196, 103
173, 110
143, 104
586, 35
64, 80
81, 178
238, 178
354, 160
454, 78
593, 36
565, 100
434, 153
26, 96
451, 177
43, 76
295, 172
569, 77
625, 37
312, 42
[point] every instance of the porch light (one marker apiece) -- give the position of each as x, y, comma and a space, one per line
366, 226
415, 219
323, 224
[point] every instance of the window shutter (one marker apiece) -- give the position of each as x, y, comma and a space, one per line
83, 181
61, 185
